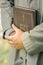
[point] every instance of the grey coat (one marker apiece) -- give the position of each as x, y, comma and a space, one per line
33, 44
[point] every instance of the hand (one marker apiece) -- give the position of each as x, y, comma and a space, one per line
15, 38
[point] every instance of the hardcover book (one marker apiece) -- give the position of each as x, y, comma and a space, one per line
24, 18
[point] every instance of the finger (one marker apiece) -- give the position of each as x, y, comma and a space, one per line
10, 42
14, 27
9, 37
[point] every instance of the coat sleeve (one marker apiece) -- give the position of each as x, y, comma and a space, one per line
33, 41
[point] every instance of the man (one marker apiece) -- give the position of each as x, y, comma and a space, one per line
31, 43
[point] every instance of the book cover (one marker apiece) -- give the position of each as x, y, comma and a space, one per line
25, 19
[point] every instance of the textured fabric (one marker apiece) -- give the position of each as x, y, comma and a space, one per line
33, 43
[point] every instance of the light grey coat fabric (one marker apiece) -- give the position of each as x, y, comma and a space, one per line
33, 45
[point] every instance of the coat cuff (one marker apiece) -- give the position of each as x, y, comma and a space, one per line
28, 44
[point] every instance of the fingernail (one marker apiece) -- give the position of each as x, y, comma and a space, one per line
5, 36
12, 24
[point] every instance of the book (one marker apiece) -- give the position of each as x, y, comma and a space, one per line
24, 18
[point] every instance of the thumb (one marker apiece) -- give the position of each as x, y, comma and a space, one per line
14, 27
